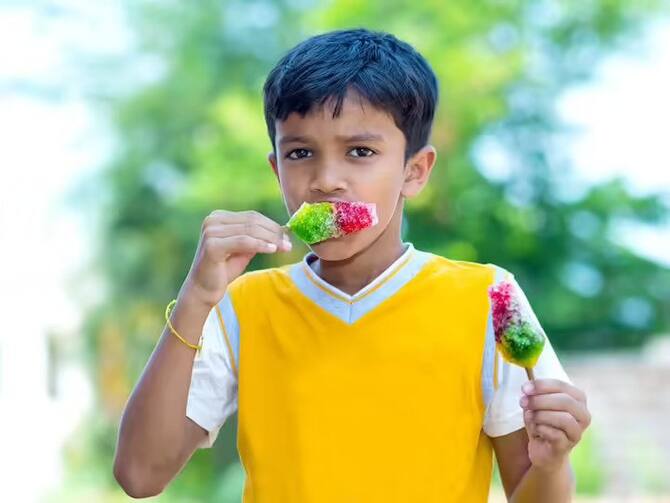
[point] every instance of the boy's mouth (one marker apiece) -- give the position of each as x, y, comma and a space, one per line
331, 219
331, 200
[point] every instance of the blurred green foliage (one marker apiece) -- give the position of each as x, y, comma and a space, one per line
186, 111
588, 465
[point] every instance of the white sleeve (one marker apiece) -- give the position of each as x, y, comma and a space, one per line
503, 412
212, 396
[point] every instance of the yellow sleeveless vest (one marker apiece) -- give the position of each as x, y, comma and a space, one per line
387, 409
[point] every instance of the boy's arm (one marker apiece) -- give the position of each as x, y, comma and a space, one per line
534, 461
524, 482
555, 409
155, 436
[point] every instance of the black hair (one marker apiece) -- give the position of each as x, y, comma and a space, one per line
389, 73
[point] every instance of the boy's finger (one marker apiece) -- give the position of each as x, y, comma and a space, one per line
557, 419
553, 435
530, 425
558, 402
241, 217
248, 229
541, 386
264, 221
223, 247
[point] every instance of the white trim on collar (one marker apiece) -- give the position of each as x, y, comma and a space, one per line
336, 291
349, 308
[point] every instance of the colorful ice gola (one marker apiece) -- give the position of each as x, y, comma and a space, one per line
518, 334
315, 222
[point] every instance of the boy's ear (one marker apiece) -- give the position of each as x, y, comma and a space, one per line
417, 171
272, 158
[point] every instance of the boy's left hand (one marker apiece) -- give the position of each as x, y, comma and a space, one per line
555, 415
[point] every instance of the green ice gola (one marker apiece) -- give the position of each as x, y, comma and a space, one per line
313, 222
522, 344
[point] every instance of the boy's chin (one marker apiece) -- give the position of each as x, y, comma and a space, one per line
332, 250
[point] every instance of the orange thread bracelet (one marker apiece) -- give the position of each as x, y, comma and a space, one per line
197, 347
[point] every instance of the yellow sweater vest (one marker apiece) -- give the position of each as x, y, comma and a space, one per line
386, 409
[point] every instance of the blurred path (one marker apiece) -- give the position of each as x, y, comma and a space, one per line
629, 396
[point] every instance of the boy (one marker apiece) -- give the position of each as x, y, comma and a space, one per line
367, 372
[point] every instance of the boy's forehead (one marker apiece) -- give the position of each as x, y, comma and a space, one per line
358, 117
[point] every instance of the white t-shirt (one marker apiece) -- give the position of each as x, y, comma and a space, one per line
212, 395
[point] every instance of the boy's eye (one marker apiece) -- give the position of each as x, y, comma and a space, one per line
364, 149
301, 150
301, 153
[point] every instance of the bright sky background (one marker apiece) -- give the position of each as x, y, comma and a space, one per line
50, 139
624, 116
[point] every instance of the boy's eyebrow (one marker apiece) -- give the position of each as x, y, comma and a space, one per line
356, 137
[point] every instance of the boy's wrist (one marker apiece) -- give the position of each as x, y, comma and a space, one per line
557, 465
187, 318
189, 300
190, 294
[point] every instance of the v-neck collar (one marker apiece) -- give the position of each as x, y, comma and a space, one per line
349, 308
336, 292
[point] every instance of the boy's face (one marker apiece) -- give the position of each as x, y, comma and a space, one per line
358, 156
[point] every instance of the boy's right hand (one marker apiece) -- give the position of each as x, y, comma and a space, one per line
228, 242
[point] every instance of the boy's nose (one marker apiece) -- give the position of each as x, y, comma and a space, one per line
328, 180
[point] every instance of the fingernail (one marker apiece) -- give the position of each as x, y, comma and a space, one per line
271, 246
523, 401
528, 387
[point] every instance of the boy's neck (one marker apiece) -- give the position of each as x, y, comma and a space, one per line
354, 273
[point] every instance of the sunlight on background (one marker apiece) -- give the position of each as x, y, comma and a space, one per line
51, 140
622, 128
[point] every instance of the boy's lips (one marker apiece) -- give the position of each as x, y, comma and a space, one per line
332, 200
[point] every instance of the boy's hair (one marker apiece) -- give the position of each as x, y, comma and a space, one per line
387, 72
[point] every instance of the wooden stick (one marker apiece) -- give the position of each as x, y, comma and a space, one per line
530, 373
